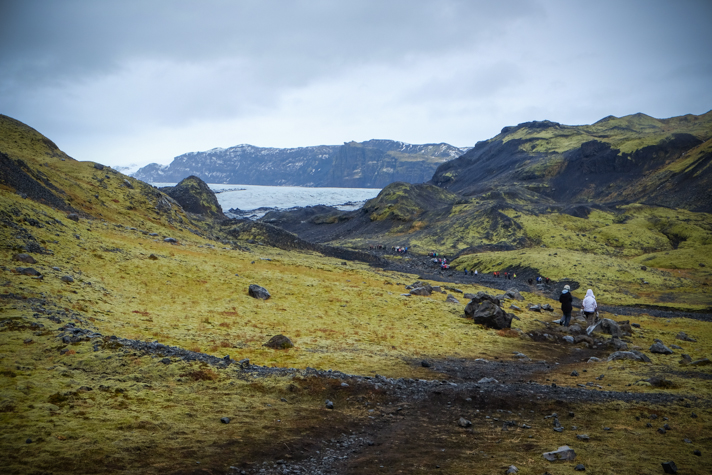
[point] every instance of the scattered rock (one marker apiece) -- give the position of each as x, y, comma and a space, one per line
593, 359
511, 469
425, 364
328, 404
701, 362
453, 289
451, 299
492, 316
574, 373
28, 271
629, 355
225, 420
513, 294
464, 423
166, 361
279, 342
583, 437
535, 308
698, 453
170, 239
255, 291
580, 468
569, 339
73, 216
618, 344
26, 258
547, 307
686, 359
153, 257
669, 467
514, 307
684, 337
98, 166
67, 278
661, 349
635, 325
676, 347
610, 327
661, 430
487, 381
562, 453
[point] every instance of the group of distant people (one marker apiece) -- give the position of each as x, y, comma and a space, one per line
506, 275
395, 249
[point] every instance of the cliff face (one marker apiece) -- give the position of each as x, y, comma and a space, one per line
371, 164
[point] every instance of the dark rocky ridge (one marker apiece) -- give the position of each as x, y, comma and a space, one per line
371, 164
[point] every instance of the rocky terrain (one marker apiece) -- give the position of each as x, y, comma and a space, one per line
135, 331
370, 164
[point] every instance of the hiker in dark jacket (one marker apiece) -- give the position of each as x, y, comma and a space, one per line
566, 299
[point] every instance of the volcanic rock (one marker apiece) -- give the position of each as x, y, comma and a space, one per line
659, 348
492, 316
26, 258
255, 291
279, 342
464, 422
629, 355
562, 453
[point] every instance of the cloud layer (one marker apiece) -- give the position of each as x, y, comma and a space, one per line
137, 82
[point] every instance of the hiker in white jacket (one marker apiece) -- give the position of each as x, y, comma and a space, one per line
589, 307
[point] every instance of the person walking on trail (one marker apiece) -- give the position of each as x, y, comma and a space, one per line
589, 307
566, 305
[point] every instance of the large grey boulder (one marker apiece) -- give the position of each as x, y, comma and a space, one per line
258, 292
661, 349
475, 302
562, 453
513, 294
492, 316
629, 355
610, 327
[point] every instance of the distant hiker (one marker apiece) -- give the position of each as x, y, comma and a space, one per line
530, 280
547, 281
509, 277
566, 300
538, 280
590, 307
475, 272
514, 276
505, 275
465, 270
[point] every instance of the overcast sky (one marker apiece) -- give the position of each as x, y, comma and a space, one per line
121, 82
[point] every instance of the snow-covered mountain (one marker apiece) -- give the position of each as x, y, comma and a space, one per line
371, 164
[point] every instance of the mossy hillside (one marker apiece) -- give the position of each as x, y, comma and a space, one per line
628, 133
403, 201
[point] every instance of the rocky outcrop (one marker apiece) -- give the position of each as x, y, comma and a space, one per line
371, 164
195, 196
485, 310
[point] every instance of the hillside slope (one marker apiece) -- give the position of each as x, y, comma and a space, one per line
636, 158
371, 164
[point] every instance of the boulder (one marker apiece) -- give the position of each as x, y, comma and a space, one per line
279, 342
610, 327
492, 316
568, 339
423, 291
680, 336
464, 422
547, 307
575, 329
195, 196
28, 271
67, 278
562, 453
629, 355
535, 308
618, 344
513, 294
451, 298
660, 349
170, 240
701, 362
26, 258
257, 292
480, 297
669, 467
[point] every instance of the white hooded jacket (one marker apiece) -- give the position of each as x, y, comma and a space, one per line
589, 302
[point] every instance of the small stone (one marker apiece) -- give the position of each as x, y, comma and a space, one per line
166, 361
344, 385
584, 437
26, 258
29, 441
67, 278
687, 441
73, 216
170, 240
225, 420
661, 430
661, 349
574, 373
580, 468
329, 404
487, 380
425, 364
464, 422
511, 469
693, 415
698, 453
279, 342
153, 257
669, 467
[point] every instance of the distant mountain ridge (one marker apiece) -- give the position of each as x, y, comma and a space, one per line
371, 164
636, 158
